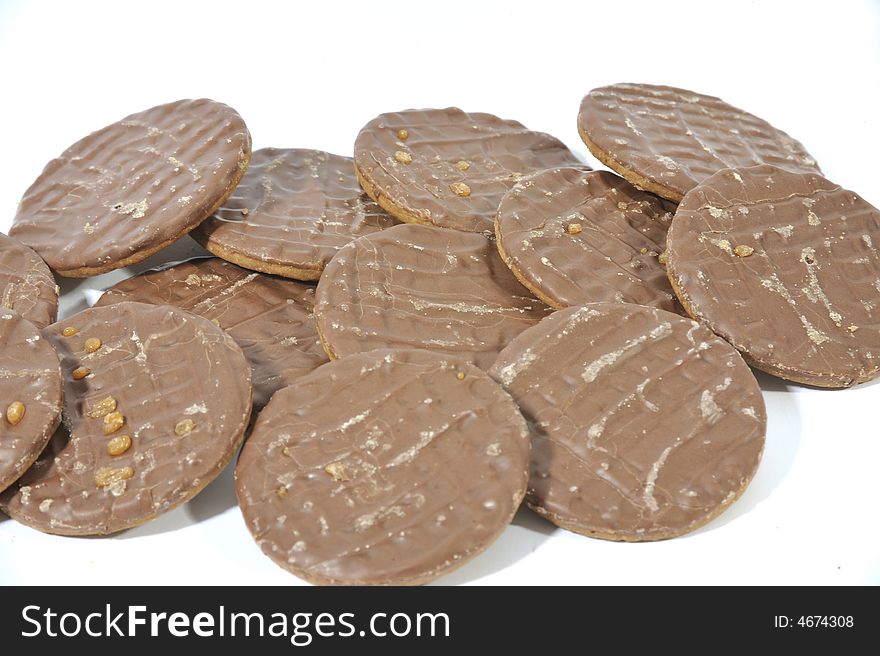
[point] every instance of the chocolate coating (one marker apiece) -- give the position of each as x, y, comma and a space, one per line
26, 283
412, 286
30, 375
387, 467
292, 211
182, 388
270, 318
644, 424
453, 167
785, 267
130, 189
575, 237
667, 140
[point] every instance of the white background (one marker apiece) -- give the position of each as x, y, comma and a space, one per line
311, 74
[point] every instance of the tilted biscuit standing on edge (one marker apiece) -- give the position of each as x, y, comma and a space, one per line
134, 187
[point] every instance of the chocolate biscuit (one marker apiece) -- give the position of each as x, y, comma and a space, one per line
30, 395
785, 267
26, 283
573, 237
667, 140
412, 286
292, 211
156, 401
390, 467
270, 318
132, 188
449, 168
644, 424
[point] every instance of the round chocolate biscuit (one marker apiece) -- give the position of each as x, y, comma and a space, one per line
292, 211
156, 401
272, 319
30, 395
667, 140
26, 284
644, 424
573, 237
785, 267
389, 467
411, 286
449, 168
125, 192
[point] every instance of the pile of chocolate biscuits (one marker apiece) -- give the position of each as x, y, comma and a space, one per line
493, 322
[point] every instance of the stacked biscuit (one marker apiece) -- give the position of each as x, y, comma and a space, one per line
531, 329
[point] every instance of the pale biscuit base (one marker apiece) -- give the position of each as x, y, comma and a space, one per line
630, 176
385, 203
519, 276
324, 344
308, 275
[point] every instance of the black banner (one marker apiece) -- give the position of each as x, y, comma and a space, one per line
436, 619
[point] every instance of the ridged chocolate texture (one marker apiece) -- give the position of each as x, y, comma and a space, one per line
166, 391
644, 424
26, 284
785, 267
126, 191
387, 467
452, 167
573, 237
291, 212
667, 140
30, 375
272, 319
412, 286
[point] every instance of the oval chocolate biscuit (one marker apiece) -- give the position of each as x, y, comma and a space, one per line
26, 284
272, 319
292, 211
785, 267
644, 424
411, 286
449, 168
132, 188
156, 401
390, 467
573, 237
667, 140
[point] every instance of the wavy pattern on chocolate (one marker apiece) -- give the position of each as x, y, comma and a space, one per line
785, 267
449, 168
130, 189
412, 286
292, 211
30, 395
156, 401
573, 237
667, 140
272, 319
26, 284
644, 424
387, 467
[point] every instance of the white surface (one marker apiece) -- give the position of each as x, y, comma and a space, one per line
311, 74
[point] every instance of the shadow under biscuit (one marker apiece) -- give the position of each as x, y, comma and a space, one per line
215, 499
780, 449
79, 293
522, 538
